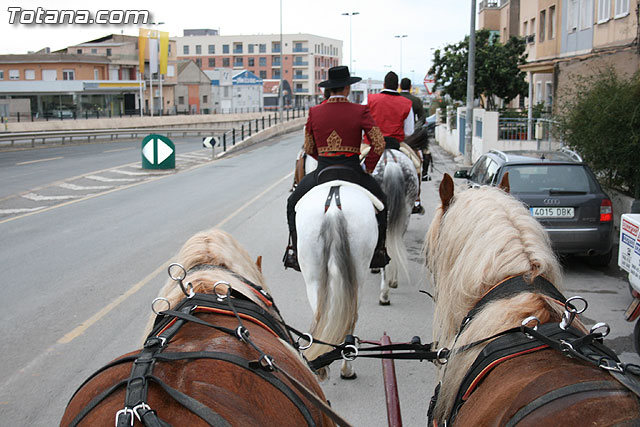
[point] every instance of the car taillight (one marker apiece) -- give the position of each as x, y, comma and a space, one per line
606, 211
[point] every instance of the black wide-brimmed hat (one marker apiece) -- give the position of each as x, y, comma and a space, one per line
339, 77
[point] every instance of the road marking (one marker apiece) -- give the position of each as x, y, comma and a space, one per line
23, 210
132, 173
76, 187
118, 149
38, 161
105, 179
39, 198
76, 332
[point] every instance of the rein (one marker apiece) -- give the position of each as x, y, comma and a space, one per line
167, 325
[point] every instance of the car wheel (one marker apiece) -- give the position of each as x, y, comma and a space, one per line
601, 260
636, 337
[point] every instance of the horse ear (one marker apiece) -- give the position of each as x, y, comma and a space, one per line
504, 183
446, 191
259, 263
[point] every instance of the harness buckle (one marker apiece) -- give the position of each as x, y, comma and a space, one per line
127, 412
266, 363
141, 405
607, 366
242, 333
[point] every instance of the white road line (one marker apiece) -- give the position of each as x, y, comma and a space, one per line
38, 161
75, 187
132, 173
39, 198
17, 211
118, 149
105, 179
190, 156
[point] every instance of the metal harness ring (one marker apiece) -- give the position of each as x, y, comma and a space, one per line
308, 337
153, 303
572, 309
439, 358
351, 355
600, 325
528, 320
177, 278
220, 295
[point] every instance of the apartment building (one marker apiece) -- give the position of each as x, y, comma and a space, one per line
66, 83
306, 58
501, 17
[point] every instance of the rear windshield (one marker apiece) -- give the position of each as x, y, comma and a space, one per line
558, 177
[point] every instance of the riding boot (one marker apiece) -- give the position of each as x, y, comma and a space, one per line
380, 256
290, 257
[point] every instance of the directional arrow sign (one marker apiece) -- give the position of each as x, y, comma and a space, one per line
158, 152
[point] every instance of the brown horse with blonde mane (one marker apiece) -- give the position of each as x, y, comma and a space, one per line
493, 268
219, 355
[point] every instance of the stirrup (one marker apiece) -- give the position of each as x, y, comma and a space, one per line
290, 259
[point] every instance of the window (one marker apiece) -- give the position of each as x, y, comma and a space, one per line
543, 24
49, 75
181, 100
225, 48
533, 30
275, 74
539, 92
169, 48
185, 49
525, 28
263, 74
225, 62
549, 92
262, 48
1, 74
198, 49
199, 62
250, 48
586, 14
79, 51
252, 62
492, 168
572, 15
622, 8
108, 52
262, 61
212, 62
96, 74
275, 61
275, 47
29, 74
604, 10
237, 48
205, 99
171, 71
552, 22
212, 48
238, 62
226, 91
94, 51
68, 75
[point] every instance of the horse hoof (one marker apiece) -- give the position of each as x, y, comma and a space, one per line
352, 377
375, 270
393, 285
381, 302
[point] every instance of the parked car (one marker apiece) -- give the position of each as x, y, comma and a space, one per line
62, 113
560, 191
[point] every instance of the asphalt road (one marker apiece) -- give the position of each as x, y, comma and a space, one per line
78, 278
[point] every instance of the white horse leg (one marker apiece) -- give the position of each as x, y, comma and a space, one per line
347, 372
384, 290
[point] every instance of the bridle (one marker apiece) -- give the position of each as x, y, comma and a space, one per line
168, 323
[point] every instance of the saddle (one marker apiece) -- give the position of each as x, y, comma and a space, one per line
338, 173
377, 203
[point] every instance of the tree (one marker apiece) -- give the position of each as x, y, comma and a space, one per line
497, 72
600, 118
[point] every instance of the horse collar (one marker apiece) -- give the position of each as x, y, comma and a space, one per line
334, 192
510, 287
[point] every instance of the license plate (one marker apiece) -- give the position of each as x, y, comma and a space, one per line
552, 212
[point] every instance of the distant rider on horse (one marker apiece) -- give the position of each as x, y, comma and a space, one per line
333, 135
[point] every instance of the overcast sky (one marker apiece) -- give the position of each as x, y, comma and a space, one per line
428, 24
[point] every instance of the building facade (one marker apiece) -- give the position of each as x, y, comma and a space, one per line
193, 90
306, 58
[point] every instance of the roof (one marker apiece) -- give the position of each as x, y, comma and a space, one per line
53, 57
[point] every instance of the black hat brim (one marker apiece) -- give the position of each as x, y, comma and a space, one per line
330, 84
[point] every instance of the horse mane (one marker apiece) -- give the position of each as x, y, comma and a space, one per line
212, 247
484, 236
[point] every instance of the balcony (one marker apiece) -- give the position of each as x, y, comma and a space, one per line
300, 90
301, 64
300, 49
300, 77
530, 39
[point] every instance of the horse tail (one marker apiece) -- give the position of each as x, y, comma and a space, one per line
394, 187
337, 306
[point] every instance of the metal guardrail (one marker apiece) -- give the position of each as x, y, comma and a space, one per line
232, 135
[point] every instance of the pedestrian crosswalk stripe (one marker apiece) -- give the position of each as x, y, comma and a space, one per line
39, 198
18, 211
76, 187
105, 179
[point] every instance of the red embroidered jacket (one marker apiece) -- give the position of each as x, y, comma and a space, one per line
389, 110
335, 128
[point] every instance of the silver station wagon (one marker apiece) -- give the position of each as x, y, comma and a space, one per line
560, 191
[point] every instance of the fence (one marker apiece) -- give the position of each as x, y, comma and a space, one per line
518, 129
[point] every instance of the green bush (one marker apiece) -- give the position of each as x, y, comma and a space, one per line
600, 118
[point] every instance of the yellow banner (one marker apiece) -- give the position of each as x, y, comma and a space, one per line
142, 42
164, 51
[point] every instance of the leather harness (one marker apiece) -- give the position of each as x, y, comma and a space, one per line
167, 325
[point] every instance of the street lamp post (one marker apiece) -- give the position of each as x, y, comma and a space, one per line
159, 74
281, 94
401, 37
471, 73
350, 15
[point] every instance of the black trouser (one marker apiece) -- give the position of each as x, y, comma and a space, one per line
310, 180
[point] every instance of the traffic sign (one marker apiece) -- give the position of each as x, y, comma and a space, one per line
429, 82
210, 141
158, 152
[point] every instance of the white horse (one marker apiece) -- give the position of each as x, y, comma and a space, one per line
335, 247
397, 176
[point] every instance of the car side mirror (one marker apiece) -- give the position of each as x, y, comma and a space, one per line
461, 174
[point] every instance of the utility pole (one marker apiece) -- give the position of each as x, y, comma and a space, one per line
471, 73
401, 37
281, 94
